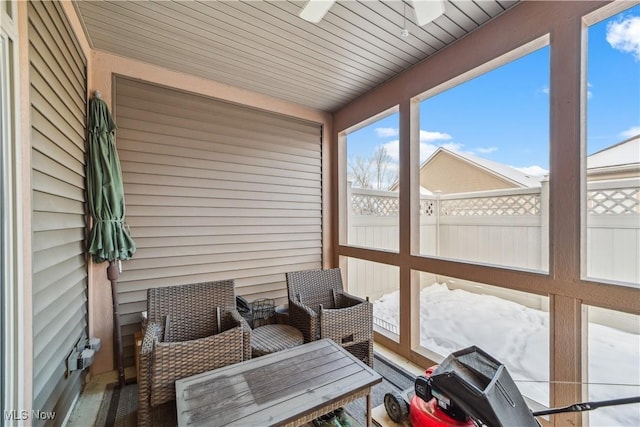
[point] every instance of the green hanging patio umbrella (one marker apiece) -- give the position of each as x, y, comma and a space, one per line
109, 239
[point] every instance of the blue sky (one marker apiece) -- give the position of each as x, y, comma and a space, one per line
503, 115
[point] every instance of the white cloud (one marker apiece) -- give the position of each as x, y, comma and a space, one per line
453, 146
386, 132
426, 144
486, 150
533, 170
624, 35
545, 90
632, 131
427, 149
427, 136
393, 149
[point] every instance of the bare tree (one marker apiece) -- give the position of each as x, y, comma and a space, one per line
381, 161
376, 172
359, 170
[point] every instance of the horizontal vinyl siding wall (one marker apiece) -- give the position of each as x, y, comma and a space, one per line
213, 191
58, 115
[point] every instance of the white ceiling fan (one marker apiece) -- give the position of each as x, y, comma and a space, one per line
426, 10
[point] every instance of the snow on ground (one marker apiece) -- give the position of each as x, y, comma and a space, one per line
518, 336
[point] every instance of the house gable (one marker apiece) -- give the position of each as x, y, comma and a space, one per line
450, 173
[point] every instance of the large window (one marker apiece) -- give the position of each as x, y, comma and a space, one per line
484, 163
379, 283
370, 200
613, 365
612, 199
522, 180
511, 326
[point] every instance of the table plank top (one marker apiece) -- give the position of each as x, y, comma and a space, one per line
273, 389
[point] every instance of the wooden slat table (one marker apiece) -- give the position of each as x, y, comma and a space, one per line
290, 388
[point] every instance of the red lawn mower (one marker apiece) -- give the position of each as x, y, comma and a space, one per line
470, 389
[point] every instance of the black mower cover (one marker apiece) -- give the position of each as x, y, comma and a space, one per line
483, 388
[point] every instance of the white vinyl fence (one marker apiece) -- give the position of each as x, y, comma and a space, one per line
507, 228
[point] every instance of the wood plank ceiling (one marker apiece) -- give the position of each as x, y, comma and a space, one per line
263, 46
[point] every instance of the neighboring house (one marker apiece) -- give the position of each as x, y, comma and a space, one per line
448, 172
452, 172
616, 162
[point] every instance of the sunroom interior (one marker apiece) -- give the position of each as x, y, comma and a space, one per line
243, 134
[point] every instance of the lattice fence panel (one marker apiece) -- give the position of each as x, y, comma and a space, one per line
515, 205
427, 207
374, 205
615, 201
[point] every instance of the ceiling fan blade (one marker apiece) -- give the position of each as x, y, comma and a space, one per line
427, 10
315, 10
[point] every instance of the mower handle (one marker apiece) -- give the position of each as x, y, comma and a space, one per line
588, 406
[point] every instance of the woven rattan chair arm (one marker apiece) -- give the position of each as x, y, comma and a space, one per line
362, 313
301, 308
305, 319
349, 326
348, 300
152, 334
176, 360
246, 333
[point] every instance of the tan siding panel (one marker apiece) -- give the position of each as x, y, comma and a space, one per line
191, 177
203, 205
57, 287
280, 161
45, 221
249, 259
45, 280
55, 31
54, 238
44, 62
197, 188
73, 131
235, 224
250, 135
59, 340
226, 190
149, 160
214, 191
199, 212
55, 203
247, 230
215, 273
258, 247
44, 182
52, 257
236, 239
57, 88
56, 170
45, 138
138, 95
189, 115
68, 291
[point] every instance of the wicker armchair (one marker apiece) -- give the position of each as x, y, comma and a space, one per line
190, 329
319, 307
